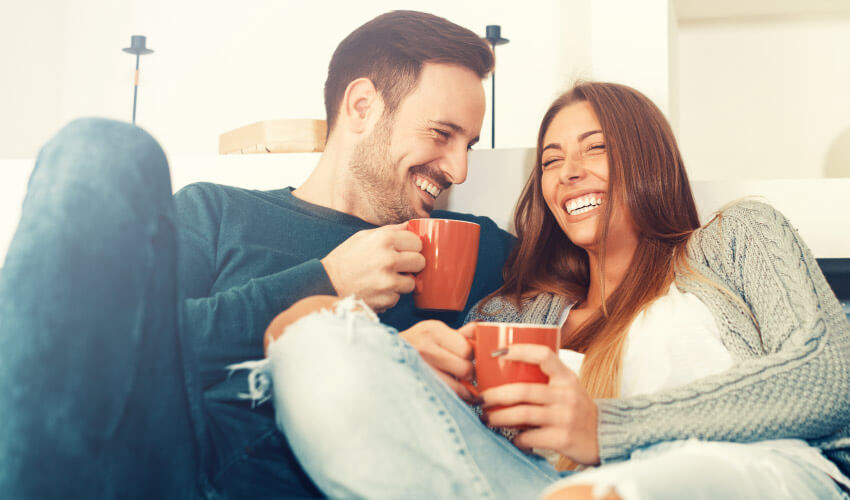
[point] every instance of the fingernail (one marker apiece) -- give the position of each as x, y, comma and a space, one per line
499, 352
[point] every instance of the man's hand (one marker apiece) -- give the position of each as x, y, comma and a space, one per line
447, 351
375, 265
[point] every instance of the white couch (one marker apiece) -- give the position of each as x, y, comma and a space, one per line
819, 208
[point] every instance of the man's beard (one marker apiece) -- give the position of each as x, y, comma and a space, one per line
375, 174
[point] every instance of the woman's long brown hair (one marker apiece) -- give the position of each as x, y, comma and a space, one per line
646, 172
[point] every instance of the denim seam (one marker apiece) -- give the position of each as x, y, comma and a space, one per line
476, 475
243, 455
511, 448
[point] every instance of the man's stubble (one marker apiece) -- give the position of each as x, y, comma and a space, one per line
375, 174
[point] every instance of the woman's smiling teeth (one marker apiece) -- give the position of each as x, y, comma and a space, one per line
426, 186
582, 204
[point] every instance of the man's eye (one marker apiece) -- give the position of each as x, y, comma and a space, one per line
442, 133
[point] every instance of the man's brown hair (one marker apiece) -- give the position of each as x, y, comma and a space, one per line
391, 49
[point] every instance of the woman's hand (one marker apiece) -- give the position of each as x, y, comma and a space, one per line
446, 350
560, 415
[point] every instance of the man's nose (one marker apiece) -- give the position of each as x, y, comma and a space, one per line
455, 165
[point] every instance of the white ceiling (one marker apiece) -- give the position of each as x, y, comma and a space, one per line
755, 10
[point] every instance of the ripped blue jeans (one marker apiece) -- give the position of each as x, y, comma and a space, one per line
367, 417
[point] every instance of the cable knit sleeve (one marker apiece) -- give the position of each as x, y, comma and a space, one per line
792, 375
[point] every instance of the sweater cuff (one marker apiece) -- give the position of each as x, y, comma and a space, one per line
312, 273
305, 279
612, 437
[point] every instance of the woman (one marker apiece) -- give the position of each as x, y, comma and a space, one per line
695, 341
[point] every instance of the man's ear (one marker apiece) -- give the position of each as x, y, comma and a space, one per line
361, 105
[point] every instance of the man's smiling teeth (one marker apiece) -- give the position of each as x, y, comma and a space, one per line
427, 187
583, 204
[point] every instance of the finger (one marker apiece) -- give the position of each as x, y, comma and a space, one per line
539, 437
467, 330
472, 390
381, 303
405, 283
409, 262
453, 341
539, 355
401, 226
405, 241
445, 361
519, 416
459, 389
520, 393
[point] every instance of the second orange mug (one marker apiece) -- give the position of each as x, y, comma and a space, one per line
490, 338
450, 248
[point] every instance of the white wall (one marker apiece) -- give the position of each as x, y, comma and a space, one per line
31, 73
754, 99
631, 44
766, 99
220, 64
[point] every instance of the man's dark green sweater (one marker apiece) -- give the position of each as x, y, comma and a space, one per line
245, 256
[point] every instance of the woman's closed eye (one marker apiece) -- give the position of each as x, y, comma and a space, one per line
550, 162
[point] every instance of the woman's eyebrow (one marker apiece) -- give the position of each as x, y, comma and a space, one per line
587, 134
581, 137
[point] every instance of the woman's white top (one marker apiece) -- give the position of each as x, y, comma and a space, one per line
675, 340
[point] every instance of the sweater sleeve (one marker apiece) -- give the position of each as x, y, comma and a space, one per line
794, 381
236, 317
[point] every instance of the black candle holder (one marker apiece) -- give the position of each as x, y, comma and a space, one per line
137, 46
494, 36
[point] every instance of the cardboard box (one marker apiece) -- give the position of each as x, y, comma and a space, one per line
275, 136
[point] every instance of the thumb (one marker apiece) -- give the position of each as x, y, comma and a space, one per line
401, 226
467, 330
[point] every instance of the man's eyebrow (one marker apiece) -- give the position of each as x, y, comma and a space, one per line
454, 126
457, 129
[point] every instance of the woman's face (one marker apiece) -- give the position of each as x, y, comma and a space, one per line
574, 179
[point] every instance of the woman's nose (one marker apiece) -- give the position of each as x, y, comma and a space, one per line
571, 170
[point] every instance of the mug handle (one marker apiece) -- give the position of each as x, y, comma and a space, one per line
471, 388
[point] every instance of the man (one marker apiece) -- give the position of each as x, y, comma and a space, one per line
113, 375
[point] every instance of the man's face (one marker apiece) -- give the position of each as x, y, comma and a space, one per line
420, 151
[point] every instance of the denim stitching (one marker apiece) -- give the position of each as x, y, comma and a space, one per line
243, 455
477, 476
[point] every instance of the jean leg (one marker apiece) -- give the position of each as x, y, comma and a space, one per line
708, 470
93, 395
367, 418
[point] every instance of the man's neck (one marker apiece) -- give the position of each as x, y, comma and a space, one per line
330, 185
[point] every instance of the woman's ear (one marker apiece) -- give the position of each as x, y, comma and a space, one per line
361, 105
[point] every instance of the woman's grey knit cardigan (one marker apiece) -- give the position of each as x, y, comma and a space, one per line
791, 377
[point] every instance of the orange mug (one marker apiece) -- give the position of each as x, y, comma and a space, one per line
450, 248
491, 339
